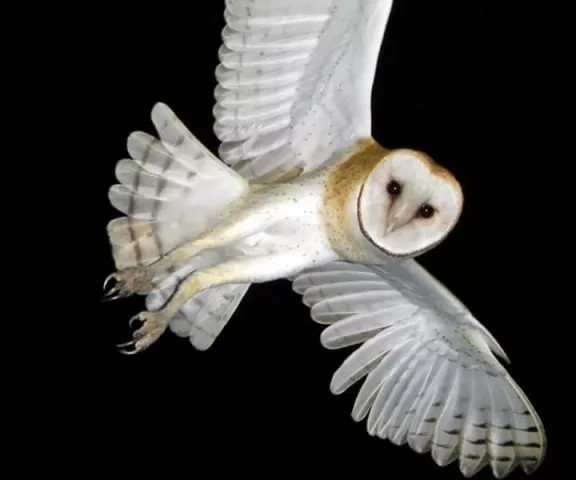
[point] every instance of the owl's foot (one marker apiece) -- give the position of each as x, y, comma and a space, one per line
128, 282
154, 324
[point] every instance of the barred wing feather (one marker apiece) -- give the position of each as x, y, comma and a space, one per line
295, 81
160, 189
171, 190
431, 379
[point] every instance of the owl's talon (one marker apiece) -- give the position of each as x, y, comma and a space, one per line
111, 298
153, 325
128, 282
123, 347
107, 280
114, 292
117, 291
134, 319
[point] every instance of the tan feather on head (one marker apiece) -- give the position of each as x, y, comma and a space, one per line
399, 201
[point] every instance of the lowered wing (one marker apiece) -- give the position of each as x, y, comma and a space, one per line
431, 379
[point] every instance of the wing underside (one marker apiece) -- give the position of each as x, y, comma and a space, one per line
295, 81
430, 377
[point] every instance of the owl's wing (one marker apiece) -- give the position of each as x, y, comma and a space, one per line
295, 82
431, 377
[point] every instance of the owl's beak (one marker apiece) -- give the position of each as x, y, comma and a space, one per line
397, 218
390, 225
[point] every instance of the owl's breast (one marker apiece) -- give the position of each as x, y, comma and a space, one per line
297, 224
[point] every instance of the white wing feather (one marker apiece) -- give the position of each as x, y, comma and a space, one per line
295, 81
431, 378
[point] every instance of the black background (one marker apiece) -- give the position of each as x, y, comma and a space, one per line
486, 88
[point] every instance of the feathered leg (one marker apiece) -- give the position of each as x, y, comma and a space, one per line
245, 270
138, 279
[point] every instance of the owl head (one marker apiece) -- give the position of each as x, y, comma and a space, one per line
407, 204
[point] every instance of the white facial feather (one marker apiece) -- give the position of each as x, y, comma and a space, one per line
416, 217
303, 186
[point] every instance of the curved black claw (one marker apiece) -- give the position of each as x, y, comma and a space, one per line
117, 290
128, 348
113, 292
133, 346
135, 318
107, 280
153, 325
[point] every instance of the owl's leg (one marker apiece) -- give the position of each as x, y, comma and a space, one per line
139, 279
245, 270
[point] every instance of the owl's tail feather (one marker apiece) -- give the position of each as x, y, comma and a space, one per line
171, 190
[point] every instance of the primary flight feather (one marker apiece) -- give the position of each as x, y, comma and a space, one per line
302, 191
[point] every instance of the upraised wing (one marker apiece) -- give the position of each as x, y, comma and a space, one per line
431, 377
295, 82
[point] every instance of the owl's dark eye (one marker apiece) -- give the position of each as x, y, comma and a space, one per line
394, 188
426, 211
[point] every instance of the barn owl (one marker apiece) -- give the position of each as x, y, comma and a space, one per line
301, 191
